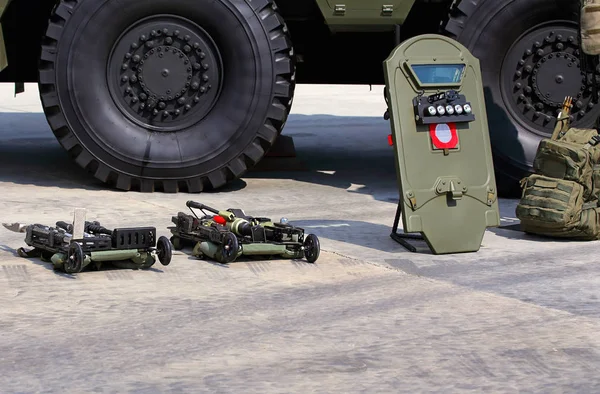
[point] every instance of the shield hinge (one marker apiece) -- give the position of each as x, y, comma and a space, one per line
340, 9
452, 186
412, 199
387, 10
491, 196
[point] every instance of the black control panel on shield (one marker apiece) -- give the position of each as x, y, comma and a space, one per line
445, 107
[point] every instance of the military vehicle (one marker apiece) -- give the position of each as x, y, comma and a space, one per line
187, 95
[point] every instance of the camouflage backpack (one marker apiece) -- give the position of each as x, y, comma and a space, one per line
561, 198
589, 28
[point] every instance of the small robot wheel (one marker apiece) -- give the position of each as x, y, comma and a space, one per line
164, 250
312, 248
74, 261
229, 247
176, 242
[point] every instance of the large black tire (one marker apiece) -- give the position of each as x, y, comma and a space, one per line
166, 95
524, 83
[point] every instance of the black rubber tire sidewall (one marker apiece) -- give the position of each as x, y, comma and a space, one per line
489, 32
241, 111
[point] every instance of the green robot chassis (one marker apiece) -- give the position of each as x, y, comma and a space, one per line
134, 248
227, 235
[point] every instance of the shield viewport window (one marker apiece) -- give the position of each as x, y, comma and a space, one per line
438, 74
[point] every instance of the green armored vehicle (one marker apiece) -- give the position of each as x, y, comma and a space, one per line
186, 95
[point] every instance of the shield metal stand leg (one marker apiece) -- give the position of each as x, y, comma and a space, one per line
402, 238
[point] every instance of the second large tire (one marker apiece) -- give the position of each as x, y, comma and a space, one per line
528, 51
166, 95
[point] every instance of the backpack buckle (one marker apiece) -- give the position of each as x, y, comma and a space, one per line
595, 140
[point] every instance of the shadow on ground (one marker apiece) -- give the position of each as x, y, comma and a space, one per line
344, 152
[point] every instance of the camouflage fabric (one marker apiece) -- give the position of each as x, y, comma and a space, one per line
590, 27
561, 199
570, 159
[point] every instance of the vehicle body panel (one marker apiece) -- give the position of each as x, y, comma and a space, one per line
364, 15
3, 57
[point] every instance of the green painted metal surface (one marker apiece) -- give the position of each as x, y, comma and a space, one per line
449, 194
368, 15
3, 58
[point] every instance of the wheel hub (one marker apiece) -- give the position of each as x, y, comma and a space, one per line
554, 77
540, 70
165, 73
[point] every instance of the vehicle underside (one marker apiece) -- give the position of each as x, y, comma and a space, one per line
323, 57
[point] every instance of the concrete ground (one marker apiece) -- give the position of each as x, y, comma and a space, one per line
522, 314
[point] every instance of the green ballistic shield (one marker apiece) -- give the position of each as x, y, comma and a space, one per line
442, 147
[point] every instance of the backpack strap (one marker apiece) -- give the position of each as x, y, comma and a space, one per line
593, 142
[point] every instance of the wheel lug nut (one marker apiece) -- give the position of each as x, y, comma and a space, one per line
205, 66
521, 97
528, 90
177, 112
188, 107
134, 99
153, 32
128, 90
124, 66
518, 73
202, 55
128, 55
529, 107
187, 38
150, 44
196, 99
581, 113
169, 40
155, 112
176, 32
162, 105
133, 79
195, 86
196, 45
142, 106
197, 66
143, 37
559, 37
202, 89
136, 59
124, 78
537, 44
518, 85
165, 114
187, 48
181, 101
528, 69
590, 105
521, 62
540, 52
143, 97
560, 46
539, 106
528, 52
135, 45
